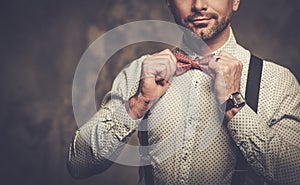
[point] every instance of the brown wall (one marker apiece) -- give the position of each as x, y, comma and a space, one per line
41, 44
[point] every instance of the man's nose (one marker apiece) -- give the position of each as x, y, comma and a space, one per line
199, 5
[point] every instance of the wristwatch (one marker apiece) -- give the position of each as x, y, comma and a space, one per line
235, 100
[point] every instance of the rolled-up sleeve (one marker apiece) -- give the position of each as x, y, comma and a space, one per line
99, 142
272, 147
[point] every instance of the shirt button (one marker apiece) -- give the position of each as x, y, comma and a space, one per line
233, 132
196, 84
244, 145
273, 121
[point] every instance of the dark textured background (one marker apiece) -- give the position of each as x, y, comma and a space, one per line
41, 44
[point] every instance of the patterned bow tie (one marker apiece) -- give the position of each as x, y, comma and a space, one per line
184, 63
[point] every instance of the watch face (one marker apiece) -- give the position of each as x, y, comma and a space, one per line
235, 100
238, 99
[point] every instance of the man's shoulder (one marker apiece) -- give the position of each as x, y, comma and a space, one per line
273, 74
270, 68
278, 76
273, 69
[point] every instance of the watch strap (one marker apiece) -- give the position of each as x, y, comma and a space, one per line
233, 102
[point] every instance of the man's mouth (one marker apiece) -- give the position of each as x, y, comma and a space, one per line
201, 20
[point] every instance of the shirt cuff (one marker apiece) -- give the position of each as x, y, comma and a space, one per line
124, 124
251, 135
246, 124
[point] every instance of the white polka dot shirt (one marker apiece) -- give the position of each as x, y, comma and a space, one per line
189, 144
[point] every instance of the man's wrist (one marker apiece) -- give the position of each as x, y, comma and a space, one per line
232, 112
232, 105
138, 105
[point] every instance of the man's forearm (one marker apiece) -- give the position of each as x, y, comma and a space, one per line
138, 105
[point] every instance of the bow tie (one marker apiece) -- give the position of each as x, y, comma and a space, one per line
184, 63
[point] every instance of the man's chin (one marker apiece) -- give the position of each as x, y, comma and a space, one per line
202, 33
199, 32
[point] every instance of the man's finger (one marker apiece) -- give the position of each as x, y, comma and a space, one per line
206, 70
214, 66
225, 55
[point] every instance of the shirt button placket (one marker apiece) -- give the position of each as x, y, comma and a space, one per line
188, 138
185, 156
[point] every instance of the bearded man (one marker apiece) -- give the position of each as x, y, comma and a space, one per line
232, 117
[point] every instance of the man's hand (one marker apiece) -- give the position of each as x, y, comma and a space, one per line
157, 73
226, 71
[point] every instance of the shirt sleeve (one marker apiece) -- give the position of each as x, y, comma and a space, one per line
272, 148
100, 141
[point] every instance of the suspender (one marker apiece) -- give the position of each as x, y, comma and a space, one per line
253, 82
252, 95
241, 168
143, 136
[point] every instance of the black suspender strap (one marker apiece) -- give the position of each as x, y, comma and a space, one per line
253, 82
252, 95
143, 137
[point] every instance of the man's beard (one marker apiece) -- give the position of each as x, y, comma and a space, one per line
211, 32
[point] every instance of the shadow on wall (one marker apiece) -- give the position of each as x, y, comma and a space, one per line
42, 42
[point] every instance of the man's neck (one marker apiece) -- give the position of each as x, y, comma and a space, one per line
220, 40
206, 47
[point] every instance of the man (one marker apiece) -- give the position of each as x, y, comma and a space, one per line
192, 103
